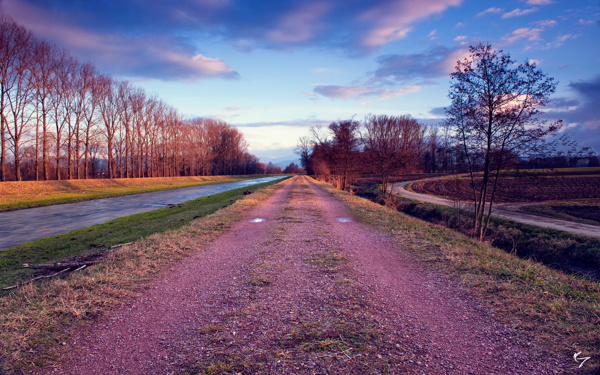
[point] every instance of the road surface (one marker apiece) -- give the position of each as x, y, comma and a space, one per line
305, 290
22, 226
506, 211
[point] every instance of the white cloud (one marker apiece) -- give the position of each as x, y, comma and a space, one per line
490, 11
560, 40
523, 33
460, 38
538, 2
519, 12
394, 20
547, 23
355, 92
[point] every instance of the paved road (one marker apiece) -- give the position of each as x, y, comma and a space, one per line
507, 211
22, 226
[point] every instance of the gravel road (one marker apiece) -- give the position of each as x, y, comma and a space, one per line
305, 290
507, 211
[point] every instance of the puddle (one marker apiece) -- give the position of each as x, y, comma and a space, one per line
258, 220
344, 219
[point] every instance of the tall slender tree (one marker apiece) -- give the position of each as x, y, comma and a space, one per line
494, 114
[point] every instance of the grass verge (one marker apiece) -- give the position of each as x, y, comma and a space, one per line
554, 248
560, 312
37, 318
581, 211
99, 238
15, 195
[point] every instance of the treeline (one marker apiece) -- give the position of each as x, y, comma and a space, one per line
385, 146
62, 119
381, 145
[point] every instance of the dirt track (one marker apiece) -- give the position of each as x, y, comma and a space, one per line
506, 211
304, 292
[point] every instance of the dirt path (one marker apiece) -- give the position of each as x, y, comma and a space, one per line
509, 211
306, 291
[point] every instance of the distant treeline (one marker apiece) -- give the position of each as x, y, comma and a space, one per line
384, 146
62, 119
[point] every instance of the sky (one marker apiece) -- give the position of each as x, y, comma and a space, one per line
274, 68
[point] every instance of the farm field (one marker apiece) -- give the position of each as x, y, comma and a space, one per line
570, 194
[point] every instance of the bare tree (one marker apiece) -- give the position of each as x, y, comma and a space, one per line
345, 149
392, 144
494, 114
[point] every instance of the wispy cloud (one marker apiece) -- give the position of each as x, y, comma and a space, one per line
393, 20
539, 2
523, 33
490, 11
519, 12
433, 63
357, 92
398, 75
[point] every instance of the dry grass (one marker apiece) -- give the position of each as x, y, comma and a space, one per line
17, 194
560, 312
36, 319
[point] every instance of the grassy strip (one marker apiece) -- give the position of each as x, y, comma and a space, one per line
36, 319
552, 247
581, 211
100, 237
26, 194
558, 311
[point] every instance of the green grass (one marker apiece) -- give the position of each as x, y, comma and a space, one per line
584, 211
99, 238
16, 195
26, 194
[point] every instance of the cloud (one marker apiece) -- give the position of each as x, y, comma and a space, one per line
158, 56
589, 91
394, 19
355, 27
584, 110
460, 38
356, 92
586, 22
547, 23
560, 40
523, 33
490, 11
300, 24
538, 2
433, 63
519, 12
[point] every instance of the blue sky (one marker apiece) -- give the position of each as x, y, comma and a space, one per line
273, 68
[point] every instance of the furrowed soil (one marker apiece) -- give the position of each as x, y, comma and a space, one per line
535, 188
304, 290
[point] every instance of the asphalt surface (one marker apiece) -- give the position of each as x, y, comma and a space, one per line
22, 226
506, 211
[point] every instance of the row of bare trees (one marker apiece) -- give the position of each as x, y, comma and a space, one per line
381, 145
62, 119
